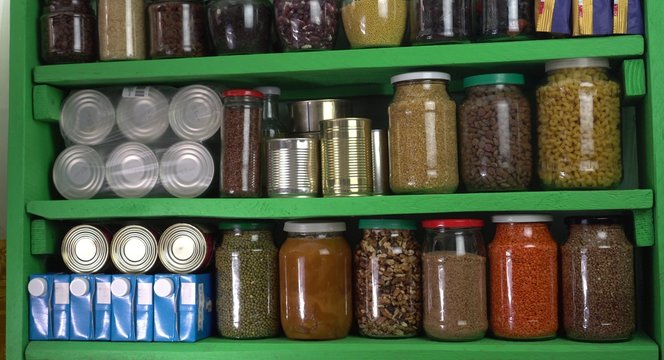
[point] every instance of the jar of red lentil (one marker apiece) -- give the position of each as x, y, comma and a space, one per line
523, 272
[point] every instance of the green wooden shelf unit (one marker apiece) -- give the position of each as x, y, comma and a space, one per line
36, 215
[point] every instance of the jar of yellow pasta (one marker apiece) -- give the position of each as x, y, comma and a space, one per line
579, 125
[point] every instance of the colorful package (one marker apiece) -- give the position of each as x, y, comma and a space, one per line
627, 17
553, 16
592, 17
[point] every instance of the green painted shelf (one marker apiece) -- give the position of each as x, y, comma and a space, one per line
641, 347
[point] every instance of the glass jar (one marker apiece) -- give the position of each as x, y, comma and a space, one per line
454, 273
440, 21
177, 28
306, 24
247, 281
523, 260
505, 19
422, 135
598, 281
388, 300
240, 26
315, 281
374, 23
495, 134
68, 32
121, 29
272, 125
579, 125
241, 143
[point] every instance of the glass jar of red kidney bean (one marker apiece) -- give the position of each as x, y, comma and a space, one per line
68, 32
177, 28
598, 280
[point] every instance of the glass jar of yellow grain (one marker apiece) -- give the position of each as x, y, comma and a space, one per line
422, 135
579, 125
374, 23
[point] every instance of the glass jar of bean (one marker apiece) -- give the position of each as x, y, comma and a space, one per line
374, 23
68, 32
579, 125
177, 28
306, 24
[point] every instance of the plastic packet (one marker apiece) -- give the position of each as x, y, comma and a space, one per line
627, 17
553, 16
592, 17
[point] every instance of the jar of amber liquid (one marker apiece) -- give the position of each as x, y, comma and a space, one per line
315, 281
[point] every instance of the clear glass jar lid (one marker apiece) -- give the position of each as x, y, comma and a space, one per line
397, 224
577, 63
525, 218
313, 227
421, 75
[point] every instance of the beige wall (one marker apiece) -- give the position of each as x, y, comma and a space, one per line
4, 84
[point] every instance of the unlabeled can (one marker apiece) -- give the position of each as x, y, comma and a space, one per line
346, 157
142, 113
186, 169
87, 117
78, 172
195, 113
380, 161
308, 114
132, 170
293, 167
186, 248
85, 249
134, 249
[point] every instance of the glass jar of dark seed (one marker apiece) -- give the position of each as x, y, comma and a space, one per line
68, 32
505, 19
495, 134
306, 24
388, 274
177, 28
247, 266
598, 280
440, 21
240, 26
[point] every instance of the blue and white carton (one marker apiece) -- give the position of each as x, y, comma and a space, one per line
195, 307
40, 291
81, 296
144, 308
123, 292
61, 307
102, 308
166, 291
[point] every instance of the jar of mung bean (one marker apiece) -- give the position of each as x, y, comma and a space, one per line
374, 23
422, 135
247, 281
579, 125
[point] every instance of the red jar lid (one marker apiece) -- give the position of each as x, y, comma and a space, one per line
243, 92
452, 223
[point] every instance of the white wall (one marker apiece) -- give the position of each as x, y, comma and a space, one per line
4, 92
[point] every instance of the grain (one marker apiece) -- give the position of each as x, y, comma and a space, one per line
121, 29
374, 23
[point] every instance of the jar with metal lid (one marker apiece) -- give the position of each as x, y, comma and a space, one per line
121, 29
374, 23
523, 271
387, 269
306, 24
177, 28
505, 19
440, 21
454, 280
495, 134
598, 280
247, 281
68, 33
240, 143
422, 135
315, 281
240, 26
579, 134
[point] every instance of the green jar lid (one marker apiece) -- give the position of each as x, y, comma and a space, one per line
397, 224
493, 79
243, 225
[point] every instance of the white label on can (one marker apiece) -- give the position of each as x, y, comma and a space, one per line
135, 91
188, 294
61, 293
103, 293
144, 293
201, 306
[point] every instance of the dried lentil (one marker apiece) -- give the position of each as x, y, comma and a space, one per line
121, 29
374, 23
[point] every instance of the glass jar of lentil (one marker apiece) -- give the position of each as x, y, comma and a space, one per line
240, 26
121, 29
422, 135
454, 280
247, 281
440, 21
579, 125
495, 134
315, 281
523, 271
505, 19
241, 143
387, 269
68, 33
177, 28
306, 24
374, 23
598, 280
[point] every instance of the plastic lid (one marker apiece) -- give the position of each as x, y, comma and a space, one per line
79, 287
243, 92
452, 223
529, 218
493, 79
421, 75
120, 287
164, 287
577, 63
597, 220
314, 227
398, 224
269, 90
37, 287
241, 225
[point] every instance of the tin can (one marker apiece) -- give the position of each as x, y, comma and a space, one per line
85, 249
134, 249
132, 170
195, 113
142, 114
87, 117
186, 169
186, 248
78, 172
346, 157
293, 167
380, 161
308, 114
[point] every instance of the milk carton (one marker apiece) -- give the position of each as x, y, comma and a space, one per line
144, 308
102, 308
61, 307
81, 296
123, 293
195, 307
40, 291
166, 291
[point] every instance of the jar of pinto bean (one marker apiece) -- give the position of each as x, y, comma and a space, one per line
68, 32
495, 134
523, 271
